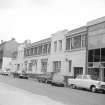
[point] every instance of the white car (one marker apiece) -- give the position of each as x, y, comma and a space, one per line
58, 79
88, 82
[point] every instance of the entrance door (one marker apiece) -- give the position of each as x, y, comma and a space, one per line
78, 71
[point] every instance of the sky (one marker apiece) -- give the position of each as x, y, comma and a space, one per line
39, 19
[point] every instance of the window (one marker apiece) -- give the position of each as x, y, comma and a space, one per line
30, 67
68, 43
90, 64
36, 50
76, 42
57, 66
90, 56
40, 49
44, 65
28, 52
102, 54
49, 47
45, 48
83, 40
60, 45
97, 55
55, 46
31, 51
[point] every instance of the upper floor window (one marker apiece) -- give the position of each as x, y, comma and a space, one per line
40, 49
45, 48
36, 50
76, 42
31, 51
55, 46
60, 45
68, 44
49, 47
83, 40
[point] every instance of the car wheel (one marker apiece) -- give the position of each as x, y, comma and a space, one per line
93, 89
52, 84
73, 86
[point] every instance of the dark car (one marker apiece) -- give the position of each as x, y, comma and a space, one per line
23, 75
45, 78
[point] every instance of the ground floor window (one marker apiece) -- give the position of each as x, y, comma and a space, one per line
44, 65
93, 71
57, 66
97, 72
30, 67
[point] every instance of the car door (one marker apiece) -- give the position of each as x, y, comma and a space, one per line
78, 81
85, 81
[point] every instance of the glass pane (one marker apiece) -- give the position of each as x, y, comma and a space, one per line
68, 44
76, 42
83, 40
97, 55
90, 56
102, 54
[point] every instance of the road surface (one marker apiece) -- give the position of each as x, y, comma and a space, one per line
61, 94
10, 95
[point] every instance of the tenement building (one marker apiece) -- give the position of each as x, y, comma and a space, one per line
96, 47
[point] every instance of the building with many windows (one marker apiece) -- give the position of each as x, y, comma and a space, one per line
75, 51
61, 53
96, 48
36, 56
79, 51
57, 57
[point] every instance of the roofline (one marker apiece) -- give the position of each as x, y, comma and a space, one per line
96, 21
77, 30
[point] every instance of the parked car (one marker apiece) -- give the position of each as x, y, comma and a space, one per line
88, 82
20, 74
5, 73
58, 79
23, 75
45, 78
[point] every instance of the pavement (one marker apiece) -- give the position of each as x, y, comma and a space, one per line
10, 95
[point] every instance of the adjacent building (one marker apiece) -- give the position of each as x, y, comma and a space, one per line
37, 56
7, 49
75, 51
96, 48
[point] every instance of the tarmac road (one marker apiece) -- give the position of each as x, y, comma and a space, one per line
62, 94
